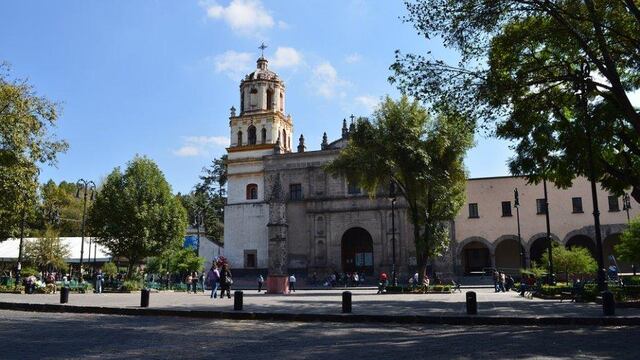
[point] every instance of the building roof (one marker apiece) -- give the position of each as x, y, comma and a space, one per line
9, 249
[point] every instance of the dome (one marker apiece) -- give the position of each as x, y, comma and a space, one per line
262, 72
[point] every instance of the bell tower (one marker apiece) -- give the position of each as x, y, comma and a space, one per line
261, 122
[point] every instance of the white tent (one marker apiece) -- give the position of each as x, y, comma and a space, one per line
9, 250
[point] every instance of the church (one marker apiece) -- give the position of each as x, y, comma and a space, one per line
284, 214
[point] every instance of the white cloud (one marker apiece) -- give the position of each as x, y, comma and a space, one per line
286, 57
200, 145
353, 58
326, 82
233, 64
245, 17
208, 140
187, 151
283, 25
368, 102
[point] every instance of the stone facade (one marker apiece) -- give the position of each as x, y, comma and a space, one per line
285, 214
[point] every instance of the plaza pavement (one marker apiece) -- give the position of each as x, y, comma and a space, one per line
328, 302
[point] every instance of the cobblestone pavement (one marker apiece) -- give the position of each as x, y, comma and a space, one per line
67, 336
365, 301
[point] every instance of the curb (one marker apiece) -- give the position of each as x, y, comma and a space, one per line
340, 318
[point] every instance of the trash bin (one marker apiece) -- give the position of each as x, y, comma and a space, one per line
346, 302
237, 300
472, 303
144, 298
64, 295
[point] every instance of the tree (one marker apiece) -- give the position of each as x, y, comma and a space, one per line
109, 269
48, 252
135, 215
629, 247
422, 155
573, 262
26, 140
60, 207
520, 69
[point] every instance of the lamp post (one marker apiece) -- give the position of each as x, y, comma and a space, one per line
626, 205
516, 204
86, 186
583, 102
392, 195
199, 218
552, 278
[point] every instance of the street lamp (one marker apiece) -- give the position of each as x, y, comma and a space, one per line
583, 102
626, 205
516, 204
551, 277
392, 196
86, 186
199, 219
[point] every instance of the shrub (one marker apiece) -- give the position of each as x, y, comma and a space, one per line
132, 285
631, 280
438, 288
395, 289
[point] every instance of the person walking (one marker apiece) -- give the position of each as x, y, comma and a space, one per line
99, 281
383, 283
189, 280
292, 283
225, 281
194, 281
213, 277
260, 282
201, 281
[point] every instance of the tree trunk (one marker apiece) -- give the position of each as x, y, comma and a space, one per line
635, 193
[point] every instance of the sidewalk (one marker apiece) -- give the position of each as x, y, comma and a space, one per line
328, 303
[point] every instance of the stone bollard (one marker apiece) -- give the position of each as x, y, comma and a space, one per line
472, 303
608, 303
64, 295
346, 302
144, 297
237, 300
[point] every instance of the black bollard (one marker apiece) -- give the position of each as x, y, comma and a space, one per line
633, 268
237, 300
472, 303
64, 295
346, 302
144, 297
608, 303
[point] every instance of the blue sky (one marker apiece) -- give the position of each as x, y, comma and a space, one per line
157, 78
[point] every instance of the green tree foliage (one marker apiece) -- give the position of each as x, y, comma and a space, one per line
26, 140
520, 68
423, 155
574, 262
109, 269
176, 261
60, 208
47, 253
208, 199
629, 247
135, 215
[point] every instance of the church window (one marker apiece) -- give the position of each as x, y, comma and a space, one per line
253, 98
252, 135
353, 188
281, 102
269, 99
264, 135
295, 191
239, 138
250, 258
252, 192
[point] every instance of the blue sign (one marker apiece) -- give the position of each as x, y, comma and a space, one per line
190, 242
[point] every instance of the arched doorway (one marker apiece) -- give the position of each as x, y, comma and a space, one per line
357, 251
582, 241
475, 258
538, 247
508, 256
608, 249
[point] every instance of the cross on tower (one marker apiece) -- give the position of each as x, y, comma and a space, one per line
352, 117
262, 47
